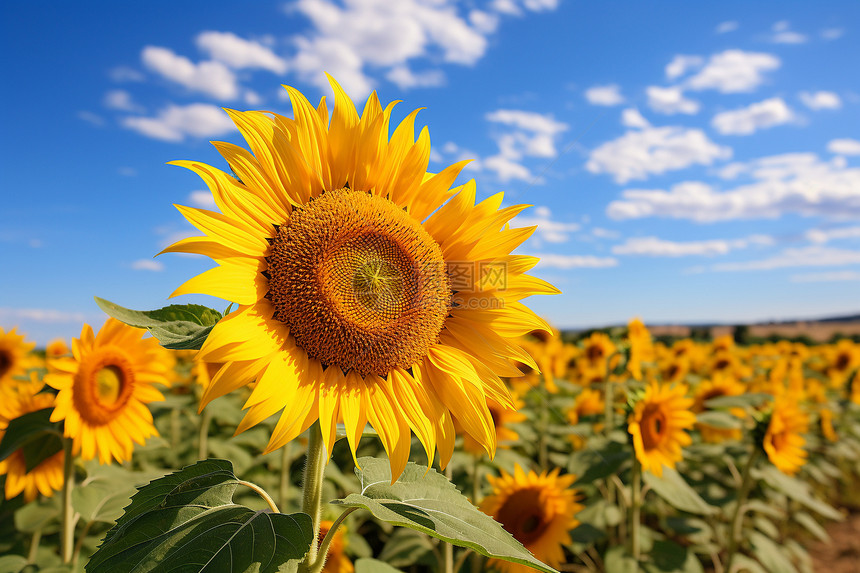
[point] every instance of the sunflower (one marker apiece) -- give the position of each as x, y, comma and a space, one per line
336, 560
369, 290
45, 478
641, 347
596, 349
13, 356
538, 510
827, 430
783, 441
587, 403
716, 387
502, 417
658, 425
57, 348
104, 389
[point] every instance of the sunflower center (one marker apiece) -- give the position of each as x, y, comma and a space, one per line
594, 353
523, 515
653, 426
5, 363
359, 283
842, 362
103, 386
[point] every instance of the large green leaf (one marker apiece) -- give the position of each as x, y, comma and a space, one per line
717, 419
770, 554
426, 501
178, 326
367, 565
677, 492
106, 491
187, 521
798, 491
36, 436
594, 464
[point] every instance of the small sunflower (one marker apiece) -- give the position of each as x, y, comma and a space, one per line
827, 430
659, 423
45, 478
13, 356
596, 349
538, 510
57, 348
641, 347
336, 560
369, 290
783, 440
502, 417
104, 389
716, 387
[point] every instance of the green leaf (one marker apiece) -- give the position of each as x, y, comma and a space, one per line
669, 557
35, 434
747, 564
742, 401
406, 547
722, 420
618, 560
177, 327
770, 554
798, 491
426, 501
106, 491
37, 514
12, 563
811, 525
187, 521
599, 463
677, 492
367, 565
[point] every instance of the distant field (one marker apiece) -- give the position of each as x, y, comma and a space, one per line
819, 331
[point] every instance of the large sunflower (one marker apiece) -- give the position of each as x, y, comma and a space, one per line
45, 478
368, 289
783, 441
13, 356
538, 510
104, 389
659, 423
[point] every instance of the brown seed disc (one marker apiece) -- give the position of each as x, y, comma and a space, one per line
359, 282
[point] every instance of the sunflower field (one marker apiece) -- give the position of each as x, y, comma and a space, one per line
377, 397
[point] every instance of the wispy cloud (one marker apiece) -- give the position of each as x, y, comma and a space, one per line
670, 101
524, 134
733, 71
726, 27
239, 53
147, 265
548, 229
175, 122
91, 118
822, 236
202, 198
656, 247
608, 95
813, 256
821, 100
576, 261
747, 120
830, 277
48, 315
212, 78
781, 33
844, 146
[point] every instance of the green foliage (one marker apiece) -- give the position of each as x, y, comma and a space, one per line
426, 501
367, 565
177, 327
677, 492
187, 521
36, 436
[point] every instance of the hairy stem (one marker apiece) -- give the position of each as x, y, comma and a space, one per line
284, 485
317, 567
312, 483
268, 499
203, 437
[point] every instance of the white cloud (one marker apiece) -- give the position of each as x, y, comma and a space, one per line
798, 183
40, 315
670, 101
175, 122
608, 95
834, 276
631, 117
782, 34
203, 199
91, 118
682, 64
638, 154
121, 100
516, 7
405, 78
126, 74
844, 146
547, 229
239, 53
832, 33
127, 171
601, 233
822, 236
656, 247
729, 26
576, 261
252, 98
814, 256
821, 100
734, 71
747, 120
210, 77
530, 135
147, 265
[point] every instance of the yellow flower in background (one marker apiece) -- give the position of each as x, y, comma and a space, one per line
538, 510
844, 358
369, 290
13, 357
336, 559
641, 347
596, 350
57, 348
587, 403
716, 387
45, 478
502, 417
659, 423
827, 430
783, 441
104, 389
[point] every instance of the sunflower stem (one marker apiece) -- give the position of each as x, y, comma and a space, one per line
318, 566
635, 508
34, 546
312, 483
67, 532
476, 480
543, 455
262, 493
284, 485
203, 437
738, 515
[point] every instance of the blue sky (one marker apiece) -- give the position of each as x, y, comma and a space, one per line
687, 161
